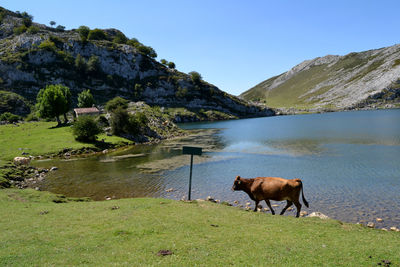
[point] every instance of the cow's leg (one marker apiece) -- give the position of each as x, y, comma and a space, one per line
288, 204
298, 206
257, 201
269, 206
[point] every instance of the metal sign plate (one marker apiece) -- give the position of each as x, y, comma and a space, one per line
192, 150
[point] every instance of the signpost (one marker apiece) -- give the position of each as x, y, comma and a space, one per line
191, 151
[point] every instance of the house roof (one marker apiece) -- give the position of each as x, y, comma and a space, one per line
86, 110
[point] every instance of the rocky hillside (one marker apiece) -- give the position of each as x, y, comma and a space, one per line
370, 78
106, 62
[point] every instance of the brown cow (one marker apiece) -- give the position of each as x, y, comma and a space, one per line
272, 188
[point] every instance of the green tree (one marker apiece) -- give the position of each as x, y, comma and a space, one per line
120, 38
85, 99
163, 61
195, 76
51, 102
86, 128
97, 34
115, 103
80, 64
83, 32
93, 64
120, 121
52, 23
68, 98
171, 65
60, 28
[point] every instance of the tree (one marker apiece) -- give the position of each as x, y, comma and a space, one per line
163, 61
97, 34
85, 99
52, 23
67, 94
80, 64
93, 64
51, 102
86, 128
83, 32
171, 65
195, 76
120, 38
60, 28
115, 103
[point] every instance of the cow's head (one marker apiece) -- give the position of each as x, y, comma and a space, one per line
237, 184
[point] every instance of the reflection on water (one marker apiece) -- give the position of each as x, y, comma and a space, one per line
348, 163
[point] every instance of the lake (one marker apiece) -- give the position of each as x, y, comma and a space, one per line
349, 163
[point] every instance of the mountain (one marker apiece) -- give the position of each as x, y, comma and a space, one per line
105, 61
356, 80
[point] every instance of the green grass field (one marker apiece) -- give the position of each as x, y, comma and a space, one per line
39, 138
130, 232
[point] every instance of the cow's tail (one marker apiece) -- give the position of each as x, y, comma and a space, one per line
302, 193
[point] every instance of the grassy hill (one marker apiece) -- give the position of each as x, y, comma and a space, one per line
131, 232
335, 82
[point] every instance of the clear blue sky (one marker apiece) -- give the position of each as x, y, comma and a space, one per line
234, 44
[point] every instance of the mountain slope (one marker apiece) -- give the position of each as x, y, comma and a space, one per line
106, 62
334, 82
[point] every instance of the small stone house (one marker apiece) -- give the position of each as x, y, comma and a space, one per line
86, 111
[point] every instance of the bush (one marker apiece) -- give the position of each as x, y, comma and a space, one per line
32, 117
120, 121
93, 64
86, 128
83, 32
97, 34
163, 61
11, 118
146, 50
47, 45
171, 65
32, 30
116, 102
60, 28
120, 38
195, 76
19, 30
80, 64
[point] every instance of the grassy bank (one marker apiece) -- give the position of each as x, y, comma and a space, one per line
130, 232
39, 138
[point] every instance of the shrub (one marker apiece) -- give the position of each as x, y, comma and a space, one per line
120, 121
27, 22
52, 23
171, 65
146, 50
163, 61
93, 64
60, 28
11, 118
97, 34
133, 42
80, 64
85, 128
47, 45
182, 92
83, 32
32, 30
20, 29
32, 117
120, 38
116, 102
195, 76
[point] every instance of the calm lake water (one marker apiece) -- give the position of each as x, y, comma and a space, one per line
349, 163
